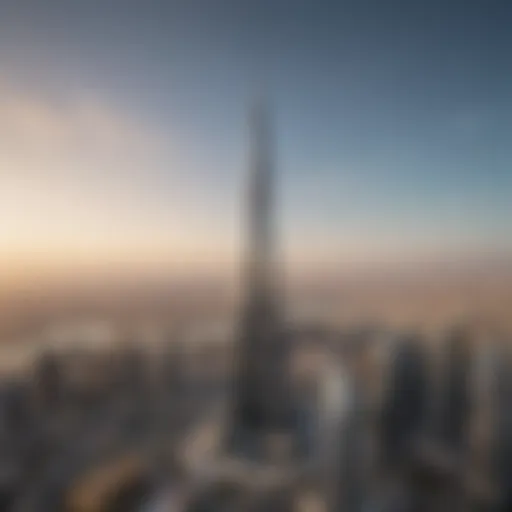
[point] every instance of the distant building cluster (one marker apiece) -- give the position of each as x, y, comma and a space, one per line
299, 420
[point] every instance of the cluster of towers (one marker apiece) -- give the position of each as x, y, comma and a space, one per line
387, 427
418, 448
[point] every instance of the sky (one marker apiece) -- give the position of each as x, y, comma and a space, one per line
124, 136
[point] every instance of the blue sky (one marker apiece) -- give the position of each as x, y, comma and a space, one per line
392, 128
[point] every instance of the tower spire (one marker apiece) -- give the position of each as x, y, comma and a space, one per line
260, 404
261, 237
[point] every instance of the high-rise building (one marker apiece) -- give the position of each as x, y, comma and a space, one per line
455, 399
261, 394
49, 381
405, 405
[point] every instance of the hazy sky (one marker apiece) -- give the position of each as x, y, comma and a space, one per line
123, 133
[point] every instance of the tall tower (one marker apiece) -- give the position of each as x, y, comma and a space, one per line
261, 401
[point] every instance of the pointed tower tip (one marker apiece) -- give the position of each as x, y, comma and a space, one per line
259, 111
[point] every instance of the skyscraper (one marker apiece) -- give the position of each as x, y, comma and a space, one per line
261, 399
455, 399
405, 403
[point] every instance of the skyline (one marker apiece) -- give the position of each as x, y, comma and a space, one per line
124, 140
